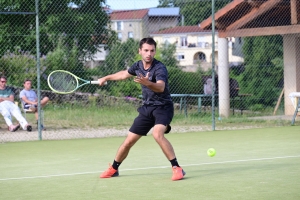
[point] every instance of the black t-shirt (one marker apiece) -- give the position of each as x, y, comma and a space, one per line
157, 71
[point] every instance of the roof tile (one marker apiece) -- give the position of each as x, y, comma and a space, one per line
128, 14
182, 29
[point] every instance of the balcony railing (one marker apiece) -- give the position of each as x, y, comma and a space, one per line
204, 45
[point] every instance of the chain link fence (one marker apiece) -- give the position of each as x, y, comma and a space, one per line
92, 39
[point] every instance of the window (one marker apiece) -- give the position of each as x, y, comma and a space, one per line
119, 26
201, 41
130, 34
180, 56
183, 41
120, 36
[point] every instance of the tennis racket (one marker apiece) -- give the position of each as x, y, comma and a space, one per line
64, 82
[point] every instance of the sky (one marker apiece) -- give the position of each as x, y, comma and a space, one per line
131, 4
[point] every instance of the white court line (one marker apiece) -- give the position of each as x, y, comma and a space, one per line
160, 167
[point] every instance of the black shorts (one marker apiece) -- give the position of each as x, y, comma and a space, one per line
28, 106
150, 116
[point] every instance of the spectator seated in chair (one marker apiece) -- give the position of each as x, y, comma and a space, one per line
30, 101
8, 108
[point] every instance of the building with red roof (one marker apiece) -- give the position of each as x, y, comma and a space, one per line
138, 24
194, 46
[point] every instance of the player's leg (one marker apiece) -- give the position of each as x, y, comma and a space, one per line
163, 117
15, 111
44, 101
165, 145
140, 127
168, 150
125, 147
36, 114
7, 117
122, 153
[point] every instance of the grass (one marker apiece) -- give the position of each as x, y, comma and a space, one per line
122, 115
249, 164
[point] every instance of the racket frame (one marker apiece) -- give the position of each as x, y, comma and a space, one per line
76, 77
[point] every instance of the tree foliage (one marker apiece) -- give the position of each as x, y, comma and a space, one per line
16, 63
166, 54
122, 55
87, 25
263, 73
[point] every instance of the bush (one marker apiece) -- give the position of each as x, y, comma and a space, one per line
181, 82
19, 65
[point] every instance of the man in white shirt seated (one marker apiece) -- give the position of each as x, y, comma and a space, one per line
30, 101
8, 108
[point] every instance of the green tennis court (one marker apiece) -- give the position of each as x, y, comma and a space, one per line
249, 164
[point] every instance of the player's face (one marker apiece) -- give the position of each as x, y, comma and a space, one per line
27, 85
2, 83
147, 52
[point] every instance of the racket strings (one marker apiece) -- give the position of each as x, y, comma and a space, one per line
63, 82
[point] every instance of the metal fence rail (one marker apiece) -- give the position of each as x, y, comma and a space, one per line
94, 38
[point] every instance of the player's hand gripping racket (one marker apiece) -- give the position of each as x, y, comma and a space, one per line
64, 82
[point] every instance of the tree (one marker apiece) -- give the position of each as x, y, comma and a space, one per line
166, 54
120, 57
18, 65
87, 25
263, 69
194, 11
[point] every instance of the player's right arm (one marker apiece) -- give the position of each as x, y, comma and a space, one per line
9, 98
24, 98
121, 75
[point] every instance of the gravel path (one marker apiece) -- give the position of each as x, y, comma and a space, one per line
61, 134
101, 132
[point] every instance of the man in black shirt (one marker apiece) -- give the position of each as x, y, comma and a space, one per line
157, 110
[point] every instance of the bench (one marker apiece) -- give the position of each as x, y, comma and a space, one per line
183, 100
240, 98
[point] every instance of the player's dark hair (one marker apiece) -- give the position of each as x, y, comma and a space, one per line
149, 41
27, 79
4, 77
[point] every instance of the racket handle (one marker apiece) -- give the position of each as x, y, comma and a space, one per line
97, 82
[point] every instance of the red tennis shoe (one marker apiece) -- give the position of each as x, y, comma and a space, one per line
110, 172
178, 173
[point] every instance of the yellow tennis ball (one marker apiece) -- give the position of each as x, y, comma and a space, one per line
211, 152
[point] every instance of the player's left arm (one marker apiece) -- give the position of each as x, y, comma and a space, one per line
24, 98
159, 86
10, 98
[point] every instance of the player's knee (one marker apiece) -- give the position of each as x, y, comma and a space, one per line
6, 115
128, 144
45, 101
158, 136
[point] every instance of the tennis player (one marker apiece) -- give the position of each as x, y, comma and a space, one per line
156, 112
